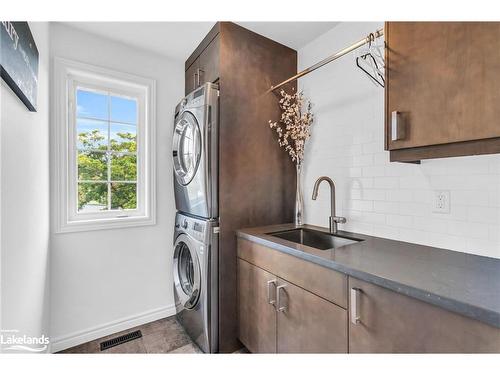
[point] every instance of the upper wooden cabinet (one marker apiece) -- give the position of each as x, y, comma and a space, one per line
443, 79
209, 62
191, 81
203, 63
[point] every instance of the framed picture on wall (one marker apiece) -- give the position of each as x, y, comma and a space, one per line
19, 61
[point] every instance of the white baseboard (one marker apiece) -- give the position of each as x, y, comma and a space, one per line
83, 336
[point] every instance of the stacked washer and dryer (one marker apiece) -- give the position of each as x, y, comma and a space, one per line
195, 160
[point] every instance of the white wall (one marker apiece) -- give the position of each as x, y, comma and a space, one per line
104, 281
380, 198
25, 202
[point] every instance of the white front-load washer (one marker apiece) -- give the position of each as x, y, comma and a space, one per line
196, 280
195, 152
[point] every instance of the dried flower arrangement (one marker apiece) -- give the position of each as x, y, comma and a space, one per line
293, 128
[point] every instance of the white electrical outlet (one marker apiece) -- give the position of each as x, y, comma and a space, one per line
441, 202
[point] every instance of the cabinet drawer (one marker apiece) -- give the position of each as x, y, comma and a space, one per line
322, 281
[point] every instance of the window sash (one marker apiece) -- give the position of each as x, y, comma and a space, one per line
109, 152
115, 90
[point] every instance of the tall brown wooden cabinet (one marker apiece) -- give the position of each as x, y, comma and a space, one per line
256, 178
443, 88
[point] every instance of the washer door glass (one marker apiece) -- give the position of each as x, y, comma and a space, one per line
186, 274
186, 148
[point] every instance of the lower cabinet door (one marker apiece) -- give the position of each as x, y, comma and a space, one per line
308, 323
390, 322
256, 315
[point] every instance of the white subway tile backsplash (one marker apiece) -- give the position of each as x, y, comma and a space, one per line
414, 236
362, 160
415, 209
386, 231
385, 182
397, 195
353, 149
457, 212
421, 196
482, 246
373, 218
494, 166
494, 232
355, 172
446, 241
373, 171
381, 158
360, 205
380, 198
430, 224
398, 169
362, 137
374, 194
400, 221
455, 166
468, 229
373, 147
362, 183
353, 215
483, 214
354, 194
386, 207
477, 196
414, 182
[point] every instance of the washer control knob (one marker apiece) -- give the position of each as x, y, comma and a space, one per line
185, 224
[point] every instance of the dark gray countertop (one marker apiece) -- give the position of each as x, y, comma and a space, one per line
463, 283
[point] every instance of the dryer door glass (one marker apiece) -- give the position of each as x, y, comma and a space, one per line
187, 274
186, 148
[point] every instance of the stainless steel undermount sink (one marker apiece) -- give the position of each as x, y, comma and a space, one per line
314, 238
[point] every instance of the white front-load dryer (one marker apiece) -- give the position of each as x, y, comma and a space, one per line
195, 279
195, 153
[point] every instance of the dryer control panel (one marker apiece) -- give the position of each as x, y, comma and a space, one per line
199, 229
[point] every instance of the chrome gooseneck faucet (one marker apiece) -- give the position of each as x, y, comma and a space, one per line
334, 220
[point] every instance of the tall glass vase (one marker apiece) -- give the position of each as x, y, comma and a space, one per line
299, 201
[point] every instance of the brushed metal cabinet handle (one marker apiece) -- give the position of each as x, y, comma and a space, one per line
199, 76
397, 126
195, 80
271, 285
280, 308
355, 317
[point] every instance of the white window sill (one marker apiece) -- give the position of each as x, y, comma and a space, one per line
105, 223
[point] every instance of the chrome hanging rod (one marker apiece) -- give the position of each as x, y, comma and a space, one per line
376, 34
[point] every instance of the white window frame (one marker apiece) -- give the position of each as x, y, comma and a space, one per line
68, 75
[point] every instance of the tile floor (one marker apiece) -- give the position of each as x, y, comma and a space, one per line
161, 336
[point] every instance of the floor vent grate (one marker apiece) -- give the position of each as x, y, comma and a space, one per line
120, 340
